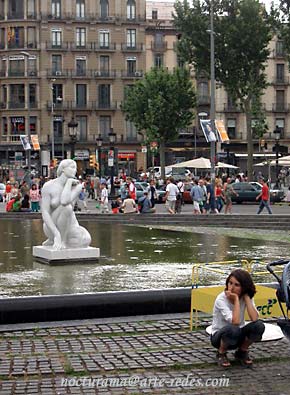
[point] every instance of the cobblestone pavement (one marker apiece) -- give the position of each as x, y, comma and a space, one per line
130, 356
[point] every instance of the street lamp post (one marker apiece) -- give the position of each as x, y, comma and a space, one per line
27, 55
111, 158
72, 125
277, 133
99, 141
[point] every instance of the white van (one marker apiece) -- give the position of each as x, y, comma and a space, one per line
157, 171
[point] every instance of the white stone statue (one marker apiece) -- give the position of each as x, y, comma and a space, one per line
58, 198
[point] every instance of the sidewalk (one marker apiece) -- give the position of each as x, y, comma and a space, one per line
137, 355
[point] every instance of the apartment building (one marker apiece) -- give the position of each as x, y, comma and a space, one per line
64, 63
160, 43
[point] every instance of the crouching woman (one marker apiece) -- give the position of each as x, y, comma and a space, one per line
229, 331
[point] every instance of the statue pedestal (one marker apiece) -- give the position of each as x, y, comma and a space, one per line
46, 254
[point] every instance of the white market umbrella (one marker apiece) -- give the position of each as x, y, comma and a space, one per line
221, 165
198, 163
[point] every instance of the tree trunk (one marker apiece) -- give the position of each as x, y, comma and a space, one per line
162, 158
250, 148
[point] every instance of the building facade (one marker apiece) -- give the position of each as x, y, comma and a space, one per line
64, 61
68, 62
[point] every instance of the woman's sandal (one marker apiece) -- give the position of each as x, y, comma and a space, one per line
223, 360
243, 357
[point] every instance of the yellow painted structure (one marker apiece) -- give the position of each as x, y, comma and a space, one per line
203, 298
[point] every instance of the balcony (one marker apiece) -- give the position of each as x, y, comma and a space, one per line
99, 106
15, 45
81, 73
57, 73
51, 46
16, 73
15, 15
82, 47
232, 107
32, 45
32, 15
203, 100
280, 107
282, 80
84, 106
58, 107
105, 47
15, 105
103, 74
130, 47
131, 74
159, 47
13, 138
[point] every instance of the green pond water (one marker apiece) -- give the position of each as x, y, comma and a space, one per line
131, 258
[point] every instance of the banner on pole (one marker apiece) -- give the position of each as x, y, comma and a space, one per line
221, 130
35, 142
209, 133
25, 142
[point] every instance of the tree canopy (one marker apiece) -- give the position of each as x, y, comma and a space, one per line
243, 30
161, 104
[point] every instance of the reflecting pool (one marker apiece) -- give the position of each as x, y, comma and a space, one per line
131, 258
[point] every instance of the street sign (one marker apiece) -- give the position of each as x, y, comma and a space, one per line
144, 149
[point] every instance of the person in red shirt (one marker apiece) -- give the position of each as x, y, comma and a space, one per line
265, 198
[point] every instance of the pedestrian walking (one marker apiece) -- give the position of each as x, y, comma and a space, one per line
170, 196
265, 198
34, 198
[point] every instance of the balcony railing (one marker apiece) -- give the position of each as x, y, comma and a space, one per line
228, 107
280, 107
105, 106
105, 47
132, 47
18, 104
159, 46
56, 46
57, 73
80, 73
13, 138
131, 74
16, 73
15, 45
283, 80
82, 105
82, 47
58, 107
15, 15
103, 74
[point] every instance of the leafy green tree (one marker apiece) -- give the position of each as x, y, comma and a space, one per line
243, 30
161, 104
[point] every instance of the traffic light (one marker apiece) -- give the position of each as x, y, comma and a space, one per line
92, 160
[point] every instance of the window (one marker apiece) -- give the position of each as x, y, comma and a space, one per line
131, 131
31, 37
104, 9
15, 37
203, 95
81, 95
56, 8
57, 92
80, 37
105, 126
80, 9
56, 35
33, 123
231, 128
279, 48
4, 126
105, 65
104, 37
31, 10
82, 127
31, 66
32, 95
17, 125
154, 14
280, 72
15, 9
81, 66
158, 60
17, 96
56, 63
280, 122
131, 9
2, 9
2, 38
104, 96
131, 66
280, 100
131, 38
159, 41
16, 66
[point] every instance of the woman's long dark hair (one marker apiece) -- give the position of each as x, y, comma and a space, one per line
245, 279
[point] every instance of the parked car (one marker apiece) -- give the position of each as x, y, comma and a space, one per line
2, 191
141, 187
248, 191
